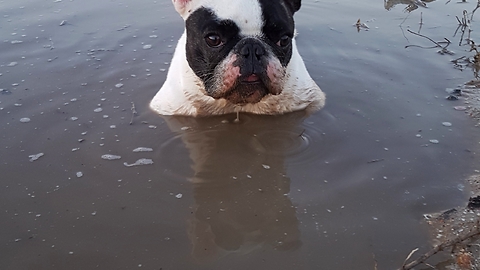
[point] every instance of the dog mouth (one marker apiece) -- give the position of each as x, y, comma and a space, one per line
251, 79
248, 89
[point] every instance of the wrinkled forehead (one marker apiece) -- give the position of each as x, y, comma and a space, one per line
246, 14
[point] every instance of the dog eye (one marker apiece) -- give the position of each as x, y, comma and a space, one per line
213, 40
284, 41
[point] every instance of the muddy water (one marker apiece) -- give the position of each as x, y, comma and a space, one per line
325, 191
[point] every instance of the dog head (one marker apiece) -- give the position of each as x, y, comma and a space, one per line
240, 49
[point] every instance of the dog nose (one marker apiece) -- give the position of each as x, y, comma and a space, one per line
252, 52
252, 49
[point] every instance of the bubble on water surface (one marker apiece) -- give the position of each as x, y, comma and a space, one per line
35, 157
142, 149
118, 85
97, 110
79, 174
25, 120
434, 141
142, 161
148, 46
110, 157
447, 124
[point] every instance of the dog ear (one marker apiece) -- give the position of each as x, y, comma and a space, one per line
184, 7
294, 5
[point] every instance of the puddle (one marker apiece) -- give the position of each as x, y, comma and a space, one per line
339, 189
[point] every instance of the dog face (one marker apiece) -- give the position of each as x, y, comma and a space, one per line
239, 49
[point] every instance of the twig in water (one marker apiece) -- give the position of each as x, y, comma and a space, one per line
421, 22
400, 25
473, 12
443, 50
237, 120
408, 257
463, 25
134, 112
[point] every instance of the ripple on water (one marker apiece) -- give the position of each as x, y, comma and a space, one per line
172, 155
292, 144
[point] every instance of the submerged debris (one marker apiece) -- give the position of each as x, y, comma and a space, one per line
360, 25
452, 97
5, 92
474, 202
411, 4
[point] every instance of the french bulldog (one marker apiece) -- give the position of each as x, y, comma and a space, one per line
237, 56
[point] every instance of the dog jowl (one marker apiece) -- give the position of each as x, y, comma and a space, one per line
237, 55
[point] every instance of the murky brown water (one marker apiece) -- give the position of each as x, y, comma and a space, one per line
289, 192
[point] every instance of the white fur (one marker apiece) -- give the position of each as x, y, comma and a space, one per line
183, 92
249, 21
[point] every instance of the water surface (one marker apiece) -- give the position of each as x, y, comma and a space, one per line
330, 190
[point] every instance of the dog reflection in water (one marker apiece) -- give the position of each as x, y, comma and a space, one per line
240, 185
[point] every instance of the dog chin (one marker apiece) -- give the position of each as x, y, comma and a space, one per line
244, 93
